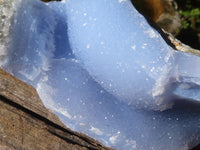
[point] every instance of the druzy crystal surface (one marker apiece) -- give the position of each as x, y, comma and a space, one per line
104, 71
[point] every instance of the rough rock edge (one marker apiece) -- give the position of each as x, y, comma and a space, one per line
24, 97
50, 0
181, 46
171, 40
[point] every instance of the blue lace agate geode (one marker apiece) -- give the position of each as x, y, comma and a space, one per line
105, 72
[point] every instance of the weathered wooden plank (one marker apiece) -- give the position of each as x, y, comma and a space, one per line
26, 124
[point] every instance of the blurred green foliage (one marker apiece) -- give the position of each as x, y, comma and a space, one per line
190, 14
190, 19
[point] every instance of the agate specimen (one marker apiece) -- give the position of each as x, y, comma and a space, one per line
105, 72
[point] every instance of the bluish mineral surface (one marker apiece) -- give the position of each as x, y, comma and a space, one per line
105, 72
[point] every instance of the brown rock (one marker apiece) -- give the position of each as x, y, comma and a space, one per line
26, 124
163, 12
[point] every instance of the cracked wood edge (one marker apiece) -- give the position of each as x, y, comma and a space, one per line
24, 97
